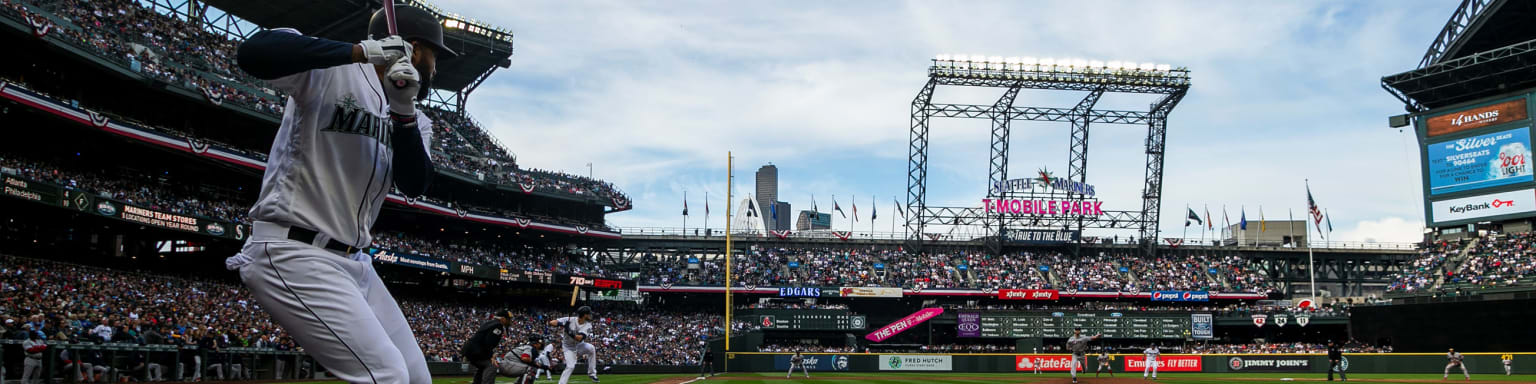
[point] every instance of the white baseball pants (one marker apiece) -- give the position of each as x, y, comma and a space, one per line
573, 355
334, 306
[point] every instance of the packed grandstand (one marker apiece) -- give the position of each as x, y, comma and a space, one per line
104, 294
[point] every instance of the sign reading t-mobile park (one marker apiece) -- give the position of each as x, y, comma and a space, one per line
1043, 207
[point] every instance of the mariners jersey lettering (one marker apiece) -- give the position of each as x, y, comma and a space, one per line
330, 166
1151, 352
573, 327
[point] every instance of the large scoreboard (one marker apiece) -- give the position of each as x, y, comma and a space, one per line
1476, 161
1012, 325
807, 320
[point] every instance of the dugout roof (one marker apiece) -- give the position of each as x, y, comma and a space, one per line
481, 47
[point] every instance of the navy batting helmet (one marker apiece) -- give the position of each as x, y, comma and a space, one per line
583, 311
413, 24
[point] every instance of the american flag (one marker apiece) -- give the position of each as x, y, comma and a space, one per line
1317, 214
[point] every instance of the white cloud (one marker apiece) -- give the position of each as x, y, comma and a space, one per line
655, 93
1386, 230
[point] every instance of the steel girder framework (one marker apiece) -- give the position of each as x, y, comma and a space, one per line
1002, 112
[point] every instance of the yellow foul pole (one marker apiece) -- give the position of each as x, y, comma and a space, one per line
730, 179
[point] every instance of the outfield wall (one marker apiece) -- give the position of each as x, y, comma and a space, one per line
1477, 363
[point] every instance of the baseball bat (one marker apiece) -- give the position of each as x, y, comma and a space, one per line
389, 19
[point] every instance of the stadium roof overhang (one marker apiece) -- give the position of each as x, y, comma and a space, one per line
1487, 48
481, 48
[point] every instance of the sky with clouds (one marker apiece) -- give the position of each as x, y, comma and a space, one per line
654, 94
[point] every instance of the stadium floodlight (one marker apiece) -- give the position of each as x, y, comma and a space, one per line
1079, 63
1047, 62
1147, 66
1095, 64
995, 62
1164, 67
1030, 61
941, 57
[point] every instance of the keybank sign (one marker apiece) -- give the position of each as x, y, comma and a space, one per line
1484, 206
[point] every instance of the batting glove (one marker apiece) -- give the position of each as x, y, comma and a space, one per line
385, 51
401, 84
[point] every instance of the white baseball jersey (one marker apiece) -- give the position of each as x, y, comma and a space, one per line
1151, 352
546, 356
330, 166
572, 326
1078, 344
1455, 357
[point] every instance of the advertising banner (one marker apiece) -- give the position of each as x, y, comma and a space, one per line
1269, 364
1483, 206
916, 363
1202, 326
36, 192
870, 292
92, 204
1164, 363
1030, 236
799, 292
969, 325
409, 260
1474, 118
1028, 294
1047, 363
813, 362
1181, 296
527, 276
1482, 161
595, 282
899, 326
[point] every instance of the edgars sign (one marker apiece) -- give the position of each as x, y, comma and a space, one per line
799, 292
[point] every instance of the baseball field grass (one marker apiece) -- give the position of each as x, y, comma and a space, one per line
973, 378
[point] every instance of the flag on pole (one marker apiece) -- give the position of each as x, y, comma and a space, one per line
1242, 221
685, 203
1263, 226
1192, 217
1329, 221
838, 208
706, 203
1292, 220
1226, 222
874, 210
1208, 223
775, 210
903, 212
1317, 214
813, 205
855, 210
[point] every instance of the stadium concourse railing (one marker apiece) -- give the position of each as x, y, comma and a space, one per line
1477, 363
707, 233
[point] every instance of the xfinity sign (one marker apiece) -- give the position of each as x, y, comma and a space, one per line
1483, 206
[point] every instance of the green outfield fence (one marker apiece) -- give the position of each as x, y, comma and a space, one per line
1477, 363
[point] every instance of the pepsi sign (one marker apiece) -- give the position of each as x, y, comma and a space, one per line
1181, 296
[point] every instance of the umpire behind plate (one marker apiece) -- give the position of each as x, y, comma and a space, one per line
481, 347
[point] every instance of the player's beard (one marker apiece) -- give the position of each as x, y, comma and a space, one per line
426, 84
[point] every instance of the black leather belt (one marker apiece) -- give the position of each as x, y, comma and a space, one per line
308, 237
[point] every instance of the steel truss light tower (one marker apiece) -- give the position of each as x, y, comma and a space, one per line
1013, 75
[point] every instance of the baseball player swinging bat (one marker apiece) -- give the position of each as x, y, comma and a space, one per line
349, 133
575, 332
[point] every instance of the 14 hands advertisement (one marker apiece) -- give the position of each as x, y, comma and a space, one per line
1493, 150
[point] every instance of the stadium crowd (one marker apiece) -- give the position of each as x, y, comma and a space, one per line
59, 302
1021, 270
134, 188
176, 52
1493, 261
512, 256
